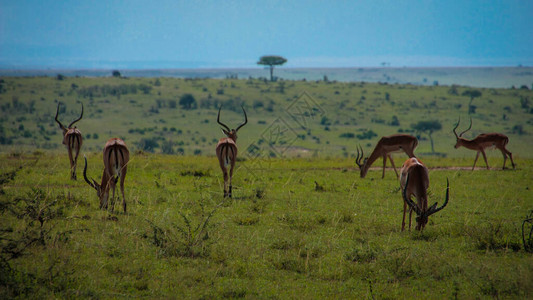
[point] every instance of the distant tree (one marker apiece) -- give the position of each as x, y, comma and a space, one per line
453, 90
428, 127
271, 61
187, 101
472, 94
60, 77
116, 73
395, 121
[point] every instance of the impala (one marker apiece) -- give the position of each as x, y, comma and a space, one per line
73, 140
414, 181
116, 158
384, 148
482, 142
226, 151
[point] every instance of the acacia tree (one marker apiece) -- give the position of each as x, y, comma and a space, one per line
428, 127
472, 94
187, 101
271, 61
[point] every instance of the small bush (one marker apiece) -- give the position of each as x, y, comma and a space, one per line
347, 135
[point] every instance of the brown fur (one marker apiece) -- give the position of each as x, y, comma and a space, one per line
418, 185
116, 157
387, 145
73, 140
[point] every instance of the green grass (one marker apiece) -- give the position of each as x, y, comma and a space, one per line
279, 237
302, 223
28, 106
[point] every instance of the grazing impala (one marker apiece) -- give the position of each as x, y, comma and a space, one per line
414, 181
72, 139
227, 151
116, 158
482, 142
384, 148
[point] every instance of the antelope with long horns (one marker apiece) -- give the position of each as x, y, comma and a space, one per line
116, 158
482, 142
414, 181
226, 151
73, 140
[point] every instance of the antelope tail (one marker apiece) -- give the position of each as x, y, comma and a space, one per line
224, 150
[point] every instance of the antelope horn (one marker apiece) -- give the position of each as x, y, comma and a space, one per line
408, 200
359, 157
461, 134
81, 116
245, 119
218, 120
457, 125
93, 184
57, 113
432, 209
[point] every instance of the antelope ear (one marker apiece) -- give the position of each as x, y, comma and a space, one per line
225, 132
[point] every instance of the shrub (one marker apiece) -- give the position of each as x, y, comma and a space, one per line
347, 135
367, 135
148, 144
187, 101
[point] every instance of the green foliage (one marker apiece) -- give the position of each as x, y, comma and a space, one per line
271, 61
347, 135
149, 144
189, 240
187, 101
367, 135
428, 127
472, 93
296, 228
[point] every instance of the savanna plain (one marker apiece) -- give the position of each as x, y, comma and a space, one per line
301, 223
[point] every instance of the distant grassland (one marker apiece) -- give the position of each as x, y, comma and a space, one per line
482, 77
286, 118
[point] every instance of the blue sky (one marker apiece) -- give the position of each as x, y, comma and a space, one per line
213, 34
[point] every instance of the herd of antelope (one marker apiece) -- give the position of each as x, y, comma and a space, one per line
414, 175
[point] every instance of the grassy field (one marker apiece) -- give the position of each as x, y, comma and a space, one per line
286, 118
296, 228
302, 223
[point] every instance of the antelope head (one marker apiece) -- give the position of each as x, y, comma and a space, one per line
360, 157
231, 133
69, 127
422, 216
459, 138
99, 189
